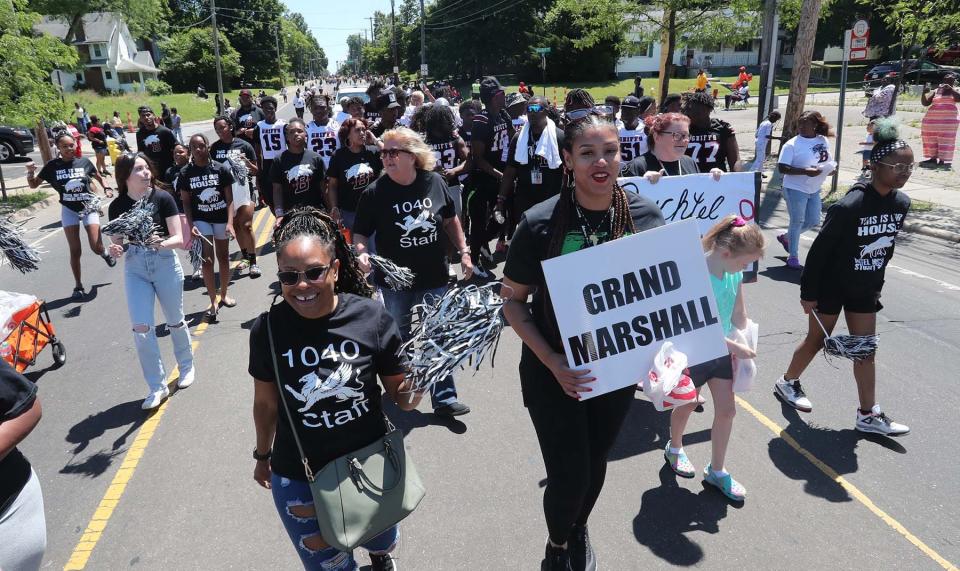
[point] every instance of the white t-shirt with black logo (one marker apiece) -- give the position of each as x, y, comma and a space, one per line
801, 152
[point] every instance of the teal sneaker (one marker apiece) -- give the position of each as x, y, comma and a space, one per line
679, 463
726, 484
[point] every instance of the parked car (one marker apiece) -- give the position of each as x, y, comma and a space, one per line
14, 141
928, 73
950, 56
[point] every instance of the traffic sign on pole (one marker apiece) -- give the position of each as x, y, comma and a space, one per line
542, 50
859, 40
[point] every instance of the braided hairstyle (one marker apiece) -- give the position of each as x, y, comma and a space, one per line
564, 217
578, 99
309, 221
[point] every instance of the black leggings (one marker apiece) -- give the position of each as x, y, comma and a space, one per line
480, 208
575, 439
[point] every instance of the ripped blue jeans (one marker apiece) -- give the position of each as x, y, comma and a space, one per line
294, 503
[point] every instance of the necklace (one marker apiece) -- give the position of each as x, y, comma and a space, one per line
591, 236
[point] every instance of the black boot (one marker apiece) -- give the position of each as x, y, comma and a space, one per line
555, 559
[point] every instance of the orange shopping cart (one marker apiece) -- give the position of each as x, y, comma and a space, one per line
25, 329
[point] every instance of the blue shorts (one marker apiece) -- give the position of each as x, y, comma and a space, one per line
287, 495
70, 217
216, 229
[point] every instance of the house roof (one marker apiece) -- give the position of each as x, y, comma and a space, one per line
98, 27
143, 61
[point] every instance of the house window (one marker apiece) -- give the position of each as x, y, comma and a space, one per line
128, 77
746, 46
714, 48
641, 49
80, 77
108, 74
97, 52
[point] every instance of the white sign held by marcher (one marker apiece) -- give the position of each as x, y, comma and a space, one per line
618, 302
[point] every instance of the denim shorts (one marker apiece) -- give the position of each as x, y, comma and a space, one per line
216, 229
287, 495
72, 218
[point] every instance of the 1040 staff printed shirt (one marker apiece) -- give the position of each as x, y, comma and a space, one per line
70, 179
328, 371
408, 221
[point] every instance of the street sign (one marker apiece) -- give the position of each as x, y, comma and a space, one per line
396, 69
859, 40
861, 28
423, 69
542, 50
858, 54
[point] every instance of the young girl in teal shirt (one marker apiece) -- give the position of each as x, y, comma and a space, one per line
731, 246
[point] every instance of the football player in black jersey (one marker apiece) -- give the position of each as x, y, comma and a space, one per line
713, 143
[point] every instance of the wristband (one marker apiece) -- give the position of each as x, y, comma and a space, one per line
279, 212
262, 457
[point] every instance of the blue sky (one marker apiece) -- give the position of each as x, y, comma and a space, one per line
332, 21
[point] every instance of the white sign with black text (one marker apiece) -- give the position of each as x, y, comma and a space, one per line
618, 302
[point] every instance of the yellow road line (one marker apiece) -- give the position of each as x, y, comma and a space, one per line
846, 485
98, 522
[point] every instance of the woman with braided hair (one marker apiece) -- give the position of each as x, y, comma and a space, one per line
574, 436
326, 327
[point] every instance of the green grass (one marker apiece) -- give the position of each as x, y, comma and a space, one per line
22, 200
190, 107
621, 87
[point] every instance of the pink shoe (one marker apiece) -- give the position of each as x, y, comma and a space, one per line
794, 263
501, 247
782, 238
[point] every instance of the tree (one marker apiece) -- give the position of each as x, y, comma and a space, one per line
189, 59
145, 18
800, 76
26, 93
586, 38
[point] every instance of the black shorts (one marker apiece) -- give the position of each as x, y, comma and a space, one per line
832, 302
719, 368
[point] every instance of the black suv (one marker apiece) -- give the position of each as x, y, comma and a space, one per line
14, 141
929, 72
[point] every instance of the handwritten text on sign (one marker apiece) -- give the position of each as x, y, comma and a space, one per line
699, 197
618, 302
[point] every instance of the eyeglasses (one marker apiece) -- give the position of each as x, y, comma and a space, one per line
394, 153
292, 277
535, 108
678, 137
900, 168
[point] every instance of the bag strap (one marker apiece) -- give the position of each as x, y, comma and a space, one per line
283, 400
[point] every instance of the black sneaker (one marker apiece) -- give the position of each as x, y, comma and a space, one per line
582, 557
453, 409
555, 559
79, 293
383, 562
110, 260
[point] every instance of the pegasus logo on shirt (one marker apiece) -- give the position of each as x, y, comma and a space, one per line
360, 175
821, 151
422, 221
209, 195
877, 247
299, 177
152, 141
336, 385
75, 186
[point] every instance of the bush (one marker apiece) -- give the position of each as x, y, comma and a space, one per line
158, 87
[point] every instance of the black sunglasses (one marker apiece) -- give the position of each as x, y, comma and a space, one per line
292, 277
394, 153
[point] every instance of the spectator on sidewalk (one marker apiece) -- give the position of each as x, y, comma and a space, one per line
880, 103
701, 85
116, 123
764, 135
637, 88
81, 114
939, 127
165, 116
98, 140
175, 125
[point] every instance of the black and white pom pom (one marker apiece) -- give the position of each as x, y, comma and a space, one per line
196, 254
853, 347
91, 203
21, 256
136, 225
453, 331
397, 277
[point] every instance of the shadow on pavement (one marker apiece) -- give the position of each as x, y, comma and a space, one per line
409, 420
126, 415
669, 512
782, 273
647, 430
835, 448
63, 301
769, 202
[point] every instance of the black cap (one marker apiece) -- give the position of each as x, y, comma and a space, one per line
630, 102
387, 99
489, 86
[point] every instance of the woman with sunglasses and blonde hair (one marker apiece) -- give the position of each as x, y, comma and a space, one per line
407, 208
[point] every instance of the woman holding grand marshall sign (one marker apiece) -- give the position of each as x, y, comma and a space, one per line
575, 436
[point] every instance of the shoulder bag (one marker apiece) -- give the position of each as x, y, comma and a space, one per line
363, 493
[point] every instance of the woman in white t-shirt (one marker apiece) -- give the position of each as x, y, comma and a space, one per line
805, 162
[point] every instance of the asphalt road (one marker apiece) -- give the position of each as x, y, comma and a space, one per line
174, 490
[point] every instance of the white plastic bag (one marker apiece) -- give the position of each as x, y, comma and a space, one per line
10, 303
667, 385
745, 370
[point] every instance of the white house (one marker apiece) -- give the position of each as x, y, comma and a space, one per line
111, 58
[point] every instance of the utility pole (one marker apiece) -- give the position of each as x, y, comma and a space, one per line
807, 32
393, 38
423, 41
768, 59
847, 38
216, 50
276, 37
372, 36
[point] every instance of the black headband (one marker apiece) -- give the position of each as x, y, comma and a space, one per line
880, 151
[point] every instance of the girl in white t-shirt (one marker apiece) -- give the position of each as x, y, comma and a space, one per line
764, 134
805, 162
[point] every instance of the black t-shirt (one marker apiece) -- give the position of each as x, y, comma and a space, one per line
855, 243
232, 155
536, 181
70, 179
163, 207
158, 146
354, 173
495, 132
530, 246
708, 147
208, 203
649, 162
408, 221
370, 112
17, 395
170, 177
348, 349
301, 178
239, 119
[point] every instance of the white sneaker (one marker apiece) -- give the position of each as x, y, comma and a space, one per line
155, 399
186, 379
879, 423
791, 393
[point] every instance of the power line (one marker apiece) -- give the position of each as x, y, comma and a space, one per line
454, 4
470, 18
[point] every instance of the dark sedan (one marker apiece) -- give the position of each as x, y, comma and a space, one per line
14, 141
928, 73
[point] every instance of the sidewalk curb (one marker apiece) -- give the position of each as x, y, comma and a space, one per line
22, 213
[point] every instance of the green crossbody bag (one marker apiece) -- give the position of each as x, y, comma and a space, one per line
363, 493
